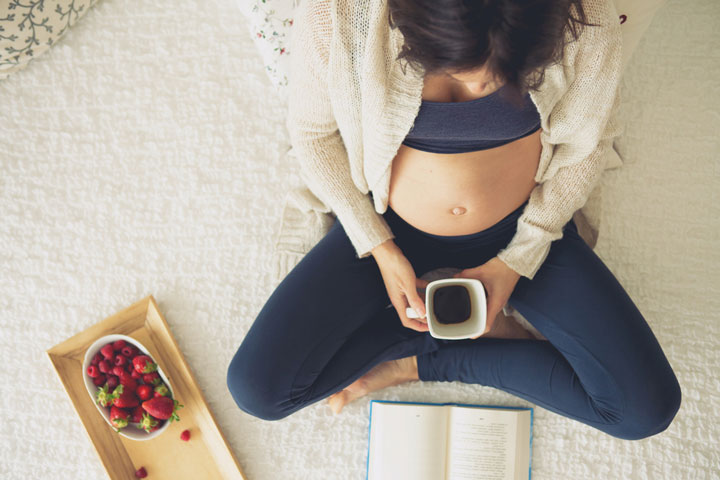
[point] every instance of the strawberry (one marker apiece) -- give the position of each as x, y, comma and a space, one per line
112, 381
152, 378
104, 397
119, 344
185, 435
125, 398
96, 359
141, 473
136, 414
162, 407
108, 351
128, 381
93, 371
136, 375
117, 370
120, 360
148, 422
161, 391
104, 366
118, 417
99, 380
144, 392
144, 364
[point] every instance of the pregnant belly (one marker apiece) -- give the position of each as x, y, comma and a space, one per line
463, 193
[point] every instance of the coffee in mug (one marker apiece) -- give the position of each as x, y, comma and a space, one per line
451, 304
456, 308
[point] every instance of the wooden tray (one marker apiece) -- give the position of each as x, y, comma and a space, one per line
206, 456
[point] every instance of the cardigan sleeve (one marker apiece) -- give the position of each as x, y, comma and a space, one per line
314, 133
582, 127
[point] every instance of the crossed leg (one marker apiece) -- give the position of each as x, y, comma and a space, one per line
602, 365
401, 370
326, 326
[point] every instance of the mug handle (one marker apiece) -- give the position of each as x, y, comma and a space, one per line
411, 313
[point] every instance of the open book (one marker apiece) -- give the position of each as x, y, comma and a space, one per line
448, 441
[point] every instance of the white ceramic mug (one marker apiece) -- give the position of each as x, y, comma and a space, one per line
472, 327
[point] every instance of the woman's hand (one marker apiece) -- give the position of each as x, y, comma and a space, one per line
499, 281
401, 285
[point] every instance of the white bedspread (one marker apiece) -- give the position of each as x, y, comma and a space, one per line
142, 155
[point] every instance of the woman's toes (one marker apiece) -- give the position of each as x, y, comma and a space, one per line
355, 390
380, 376
337, 401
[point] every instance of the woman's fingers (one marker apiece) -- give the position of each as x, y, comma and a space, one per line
415, 324
416, 301
419, 326
418, 305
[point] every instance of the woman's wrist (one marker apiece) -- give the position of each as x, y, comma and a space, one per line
384, 249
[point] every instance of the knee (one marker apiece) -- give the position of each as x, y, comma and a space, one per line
654, 415
253, 390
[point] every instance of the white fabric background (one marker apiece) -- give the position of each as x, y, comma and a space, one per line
142, 154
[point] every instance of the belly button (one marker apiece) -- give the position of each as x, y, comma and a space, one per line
458, 210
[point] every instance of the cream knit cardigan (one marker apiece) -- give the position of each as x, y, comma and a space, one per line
350, 106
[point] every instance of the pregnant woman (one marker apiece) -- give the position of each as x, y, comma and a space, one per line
476, 158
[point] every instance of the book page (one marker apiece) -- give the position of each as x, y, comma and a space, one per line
481, 444
522, 452
407, 441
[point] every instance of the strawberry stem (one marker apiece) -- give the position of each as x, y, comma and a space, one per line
176, 406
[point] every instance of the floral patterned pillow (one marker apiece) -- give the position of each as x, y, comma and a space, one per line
269, 22
28, 28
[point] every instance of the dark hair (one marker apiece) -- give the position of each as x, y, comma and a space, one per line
514, 39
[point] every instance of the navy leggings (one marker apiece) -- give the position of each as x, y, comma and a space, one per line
326, 324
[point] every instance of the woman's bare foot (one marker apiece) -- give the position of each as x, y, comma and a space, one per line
403, 370
380, 376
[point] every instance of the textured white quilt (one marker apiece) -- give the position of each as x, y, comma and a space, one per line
143, 155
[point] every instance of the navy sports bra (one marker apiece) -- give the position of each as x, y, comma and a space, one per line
457, 127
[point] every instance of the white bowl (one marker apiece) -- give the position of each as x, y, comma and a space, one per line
131, 431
